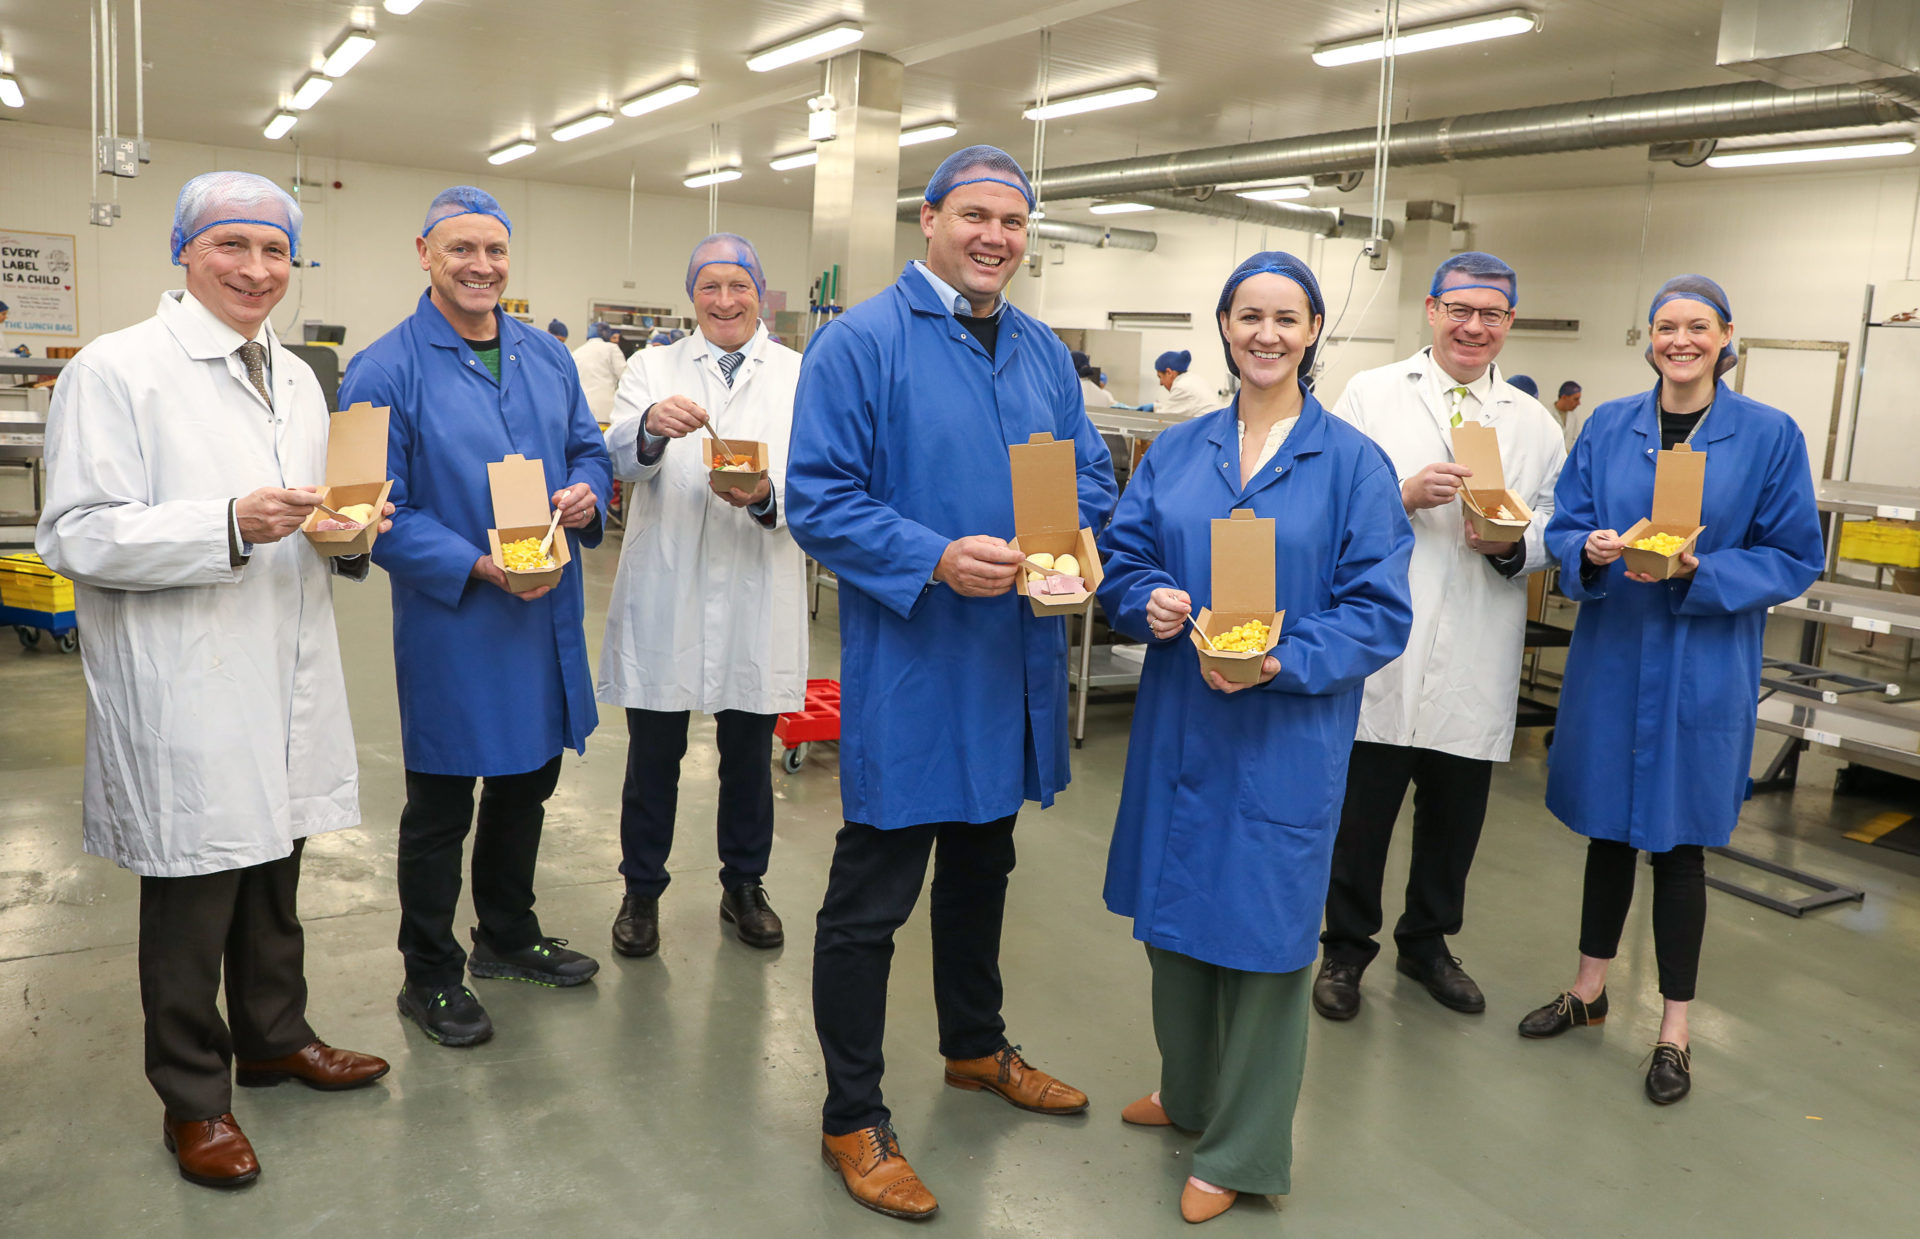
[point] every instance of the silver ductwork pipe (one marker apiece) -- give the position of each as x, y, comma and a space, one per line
1320, 221
1093, 234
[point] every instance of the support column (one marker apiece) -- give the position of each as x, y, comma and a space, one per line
1419, 245
858, 176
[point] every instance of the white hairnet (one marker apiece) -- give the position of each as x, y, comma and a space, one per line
233, 198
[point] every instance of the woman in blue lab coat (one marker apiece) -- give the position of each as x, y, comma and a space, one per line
1654, 738
1227, 819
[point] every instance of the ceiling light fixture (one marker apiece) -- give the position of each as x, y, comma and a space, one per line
928, 133
280, 124
1426, 38
1813, 154
400, 8
311, 88
719, 176
1112, 97
665, 96
787, 163
592, 122
807, 47
10, 92
346, 53
1274, 193
1118, 208
511, 151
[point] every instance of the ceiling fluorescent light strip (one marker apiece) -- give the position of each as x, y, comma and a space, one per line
280, 124
1118, 208
928, 133
346, 53
1274, 193
10, 92
719, 176
665, 96
811, 46
1093, 101
1498, 25
800, 159
311, 88
510, 152
1812, 154
400, 8
592, 122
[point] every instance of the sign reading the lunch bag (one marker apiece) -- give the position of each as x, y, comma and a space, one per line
37, 283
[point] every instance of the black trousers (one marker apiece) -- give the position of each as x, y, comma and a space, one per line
1449, 806
245, 920
1679, 909
506, 844
871, 890
656, 743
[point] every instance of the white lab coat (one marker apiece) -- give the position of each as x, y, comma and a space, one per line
1188, 397
601, 363
709, 606
1096, 396
217, 728
1456, 687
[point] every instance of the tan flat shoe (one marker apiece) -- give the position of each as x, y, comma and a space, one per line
1199, 1205
1145, 1113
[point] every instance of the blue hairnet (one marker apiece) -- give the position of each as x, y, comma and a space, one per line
725, 247
464, 200
1525, 384
557, 328
1568, 388
233, 198
1082, 365
1480, 270
1706, 292
1175, 360
598, 331
1273, 262
974, 164
659, 338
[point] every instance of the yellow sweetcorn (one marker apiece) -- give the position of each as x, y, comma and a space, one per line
1660, 543
1242, 638
525, 556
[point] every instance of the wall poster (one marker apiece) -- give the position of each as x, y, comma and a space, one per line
37, 283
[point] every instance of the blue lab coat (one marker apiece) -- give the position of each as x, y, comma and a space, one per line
1224, 840
1654, 738
488, 684
953, 709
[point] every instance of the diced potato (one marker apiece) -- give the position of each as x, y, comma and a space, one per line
1661, 543
1067, 564
525, 556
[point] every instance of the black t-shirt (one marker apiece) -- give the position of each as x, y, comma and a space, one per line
1675, 427
986, 330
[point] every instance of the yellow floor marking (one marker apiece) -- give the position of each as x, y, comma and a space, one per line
1885, 823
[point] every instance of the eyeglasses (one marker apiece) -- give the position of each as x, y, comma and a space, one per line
1459, 313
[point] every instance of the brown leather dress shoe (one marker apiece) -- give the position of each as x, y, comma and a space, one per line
1010, 1076
1145, 1113
876, 1175
211, 1152
318, 1065
1197, 1205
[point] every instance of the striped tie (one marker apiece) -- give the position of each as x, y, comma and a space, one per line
729, 364
1459, 395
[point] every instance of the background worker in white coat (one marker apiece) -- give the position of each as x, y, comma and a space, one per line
1442, 713
709, 606
601, 362
182, 456
1186, 395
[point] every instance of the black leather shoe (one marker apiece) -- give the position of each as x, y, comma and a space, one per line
451, 1015
745, 907
1336, 991
636, 931
1566, 1011
1671, 1076
1446, 981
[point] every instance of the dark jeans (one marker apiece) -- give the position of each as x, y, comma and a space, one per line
1449, 806
1679, 909
656, 742
506, 843
874, 883
244, 919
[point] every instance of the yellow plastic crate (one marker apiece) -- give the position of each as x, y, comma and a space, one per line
1881, 542
28, 584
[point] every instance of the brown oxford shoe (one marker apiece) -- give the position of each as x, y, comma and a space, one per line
211, 1152
876, 1175
1008, 1075
318, 1065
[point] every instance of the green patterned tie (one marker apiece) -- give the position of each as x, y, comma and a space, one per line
1459, 394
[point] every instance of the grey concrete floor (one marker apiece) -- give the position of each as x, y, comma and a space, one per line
679, 1095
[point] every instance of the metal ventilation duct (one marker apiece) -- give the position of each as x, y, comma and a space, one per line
1086, 234
1819, 42
1319, 221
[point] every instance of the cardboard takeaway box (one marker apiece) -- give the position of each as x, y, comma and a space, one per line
1046, 518
747, 479
521, 509
1679, 480
356, 473
1476, 446
1243, 589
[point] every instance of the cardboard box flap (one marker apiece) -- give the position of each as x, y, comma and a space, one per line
1476, 446
1679, 481
1243, 564
520, 496
357, 445
1046, 489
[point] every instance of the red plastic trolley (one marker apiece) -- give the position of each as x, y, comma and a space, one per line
816, 720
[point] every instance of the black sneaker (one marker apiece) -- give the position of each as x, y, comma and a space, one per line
450, 1016
546, 962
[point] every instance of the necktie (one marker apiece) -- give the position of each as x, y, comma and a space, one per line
254, 354
1459, 394
729, 364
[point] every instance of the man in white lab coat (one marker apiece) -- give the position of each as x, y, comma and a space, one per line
1442, 713
181, 459
601, 362
709, 606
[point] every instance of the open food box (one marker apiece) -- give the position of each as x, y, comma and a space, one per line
1046, 521
1243, 592
1496, 513
356, 475
745, 471
522, 508
1679, 481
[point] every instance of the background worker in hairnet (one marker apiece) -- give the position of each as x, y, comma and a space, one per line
601, 361
1564, 406
1092, 390
1186, 395
954, 694
709, 606
182, 456
493, 684
557, 329
1442, 713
